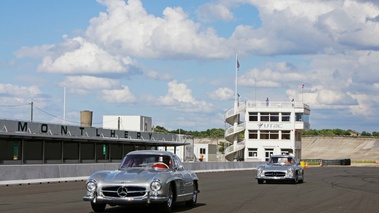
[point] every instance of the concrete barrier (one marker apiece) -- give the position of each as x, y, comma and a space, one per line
341, 162
24, 172
40, 173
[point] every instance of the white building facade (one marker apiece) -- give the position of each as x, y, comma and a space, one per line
144, 124
260, 129
206, 152
128, 122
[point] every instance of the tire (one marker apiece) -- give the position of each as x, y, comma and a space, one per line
98, 207
260, 181
193, 201
167, 205
296, 180
302, 178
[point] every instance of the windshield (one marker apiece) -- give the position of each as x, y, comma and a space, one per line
155, 161
282, 161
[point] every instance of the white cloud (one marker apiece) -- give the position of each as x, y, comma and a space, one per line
123, 95
177, 93
212, 12
222, 94
288, 27
324, 97
84, 57
89, 82
156, 75
354, 72
273, 75
128, 28
14, 96
297, 27
180, 98
19, 91
367, 107
34, 52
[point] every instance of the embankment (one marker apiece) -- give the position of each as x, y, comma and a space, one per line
355, 148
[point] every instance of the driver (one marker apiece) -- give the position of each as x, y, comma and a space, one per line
288, 161
137, 162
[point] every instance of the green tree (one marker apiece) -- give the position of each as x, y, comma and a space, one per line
222, 146
160, 129
219, 133
364, 133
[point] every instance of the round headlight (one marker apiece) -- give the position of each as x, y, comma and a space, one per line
290, 173
259, 172
91, 185
155, 185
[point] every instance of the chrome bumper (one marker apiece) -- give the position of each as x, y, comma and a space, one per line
147, 199
275, 178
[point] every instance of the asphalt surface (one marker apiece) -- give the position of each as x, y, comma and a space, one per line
326, 189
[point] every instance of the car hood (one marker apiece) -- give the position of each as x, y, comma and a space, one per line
130, 175
275, 167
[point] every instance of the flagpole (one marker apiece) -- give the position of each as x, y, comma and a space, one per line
235, 85
255, 86
302, 88
236, 118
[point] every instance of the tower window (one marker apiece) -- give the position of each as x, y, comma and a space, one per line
270, 116
252, 152
253, 134
286, 116
286, 135
253, 116
269, 135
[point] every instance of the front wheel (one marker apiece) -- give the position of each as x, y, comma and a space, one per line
296, 180
260, 181
302, 178
98, 207
193, 201
167, 205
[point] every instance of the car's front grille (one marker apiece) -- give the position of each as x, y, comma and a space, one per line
131, 191
275, 174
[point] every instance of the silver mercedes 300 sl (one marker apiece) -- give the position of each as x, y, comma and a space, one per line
144, 177
280, 168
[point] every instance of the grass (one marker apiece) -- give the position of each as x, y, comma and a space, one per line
363, 161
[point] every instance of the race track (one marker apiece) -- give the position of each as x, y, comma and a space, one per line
326, 189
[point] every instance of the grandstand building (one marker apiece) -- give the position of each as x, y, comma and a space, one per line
27, 142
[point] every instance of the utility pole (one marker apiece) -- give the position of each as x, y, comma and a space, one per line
64, 105
31, 111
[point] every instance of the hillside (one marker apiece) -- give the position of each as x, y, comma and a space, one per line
355, 148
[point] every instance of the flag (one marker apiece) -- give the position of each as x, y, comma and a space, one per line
238, 64
302, 86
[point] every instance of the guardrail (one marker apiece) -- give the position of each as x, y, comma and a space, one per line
334, 162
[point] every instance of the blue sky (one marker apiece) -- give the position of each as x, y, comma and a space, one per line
175, 60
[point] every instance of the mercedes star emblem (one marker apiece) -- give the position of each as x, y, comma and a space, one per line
122, 191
